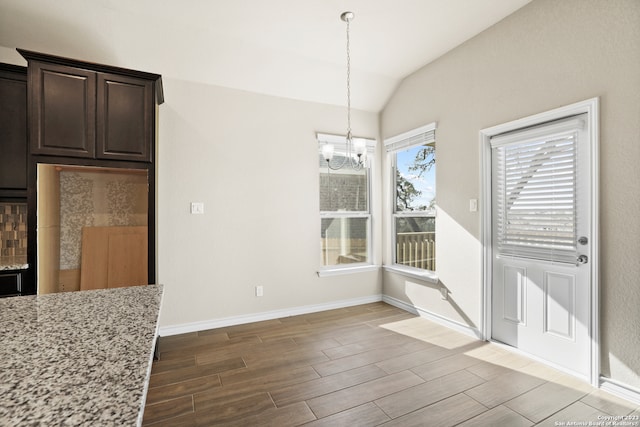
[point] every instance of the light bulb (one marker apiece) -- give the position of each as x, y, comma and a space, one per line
327, 152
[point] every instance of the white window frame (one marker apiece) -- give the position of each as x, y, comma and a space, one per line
393, 145
340, 146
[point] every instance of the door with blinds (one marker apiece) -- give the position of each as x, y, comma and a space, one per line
540, 242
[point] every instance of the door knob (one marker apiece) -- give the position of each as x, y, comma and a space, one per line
582, 259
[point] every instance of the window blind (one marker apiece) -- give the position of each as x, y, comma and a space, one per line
535, 192
420, 136
340, 141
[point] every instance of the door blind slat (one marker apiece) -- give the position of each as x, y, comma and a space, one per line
536, 198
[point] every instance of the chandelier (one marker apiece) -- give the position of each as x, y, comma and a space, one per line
356, 150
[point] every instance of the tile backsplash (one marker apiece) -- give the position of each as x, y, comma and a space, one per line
13, 233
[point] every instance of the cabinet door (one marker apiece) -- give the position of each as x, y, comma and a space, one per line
125, 118
62, 110
13, 130
10, 284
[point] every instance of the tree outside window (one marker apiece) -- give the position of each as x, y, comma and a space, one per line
414, 207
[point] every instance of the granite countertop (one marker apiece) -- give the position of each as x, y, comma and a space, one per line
14, 267
13, 263
77, 358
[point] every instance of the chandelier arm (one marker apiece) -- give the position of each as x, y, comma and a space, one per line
356, 164
335, 168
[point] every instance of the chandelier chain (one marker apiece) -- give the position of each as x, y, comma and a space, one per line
348, 83
355, 156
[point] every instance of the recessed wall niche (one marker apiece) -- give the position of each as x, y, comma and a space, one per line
74, 198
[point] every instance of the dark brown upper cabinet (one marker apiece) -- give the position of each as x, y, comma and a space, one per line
87, 110
125, 124
13, 131
63, 110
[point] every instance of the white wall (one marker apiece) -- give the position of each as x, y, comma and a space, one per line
11, 56
548, 54
252, 160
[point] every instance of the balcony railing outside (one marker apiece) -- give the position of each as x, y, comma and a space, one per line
416, 249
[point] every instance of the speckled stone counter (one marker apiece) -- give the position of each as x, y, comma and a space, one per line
77, 358
14, 266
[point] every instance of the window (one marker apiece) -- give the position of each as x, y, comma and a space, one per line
345, 207
413, 167
536, 191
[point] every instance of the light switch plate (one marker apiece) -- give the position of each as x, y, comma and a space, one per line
473, 205
197, 208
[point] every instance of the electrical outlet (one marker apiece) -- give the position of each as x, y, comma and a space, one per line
197, 208
259, 291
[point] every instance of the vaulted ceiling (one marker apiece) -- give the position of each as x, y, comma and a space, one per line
289, 48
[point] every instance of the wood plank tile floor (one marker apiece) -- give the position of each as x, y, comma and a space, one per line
367, 365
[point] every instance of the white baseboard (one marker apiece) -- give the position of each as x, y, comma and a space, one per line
184, 328
452, 324
619, 389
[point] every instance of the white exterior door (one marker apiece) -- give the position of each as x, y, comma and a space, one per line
541, 243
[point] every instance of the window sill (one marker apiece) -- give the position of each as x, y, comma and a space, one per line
414, 273
338, 271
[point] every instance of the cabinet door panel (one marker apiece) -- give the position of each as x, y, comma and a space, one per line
10, 284
62, 111
13, 130
125, 118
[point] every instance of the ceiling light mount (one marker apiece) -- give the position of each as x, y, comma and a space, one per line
347, 16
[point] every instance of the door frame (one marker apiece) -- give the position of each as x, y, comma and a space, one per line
591, 108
